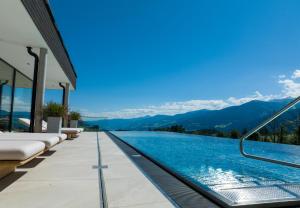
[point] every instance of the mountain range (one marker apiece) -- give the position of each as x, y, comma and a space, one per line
240, 117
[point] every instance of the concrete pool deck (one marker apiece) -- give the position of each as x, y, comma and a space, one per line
62, 179
66, 177
126, 185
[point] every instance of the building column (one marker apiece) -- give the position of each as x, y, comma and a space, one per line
66, 103
40, 90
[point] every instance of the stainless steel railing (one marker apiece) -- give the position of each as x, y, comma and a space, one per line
248, 134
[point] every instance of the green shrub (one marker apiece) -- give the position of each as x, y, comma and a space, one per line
74, 115
53, 109
234, 134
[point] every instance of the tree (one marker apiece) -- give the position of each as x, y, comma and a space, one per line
245, 130
297, 135
220, 134
282, 133
234, 134
177, 128
274, 127
265, 133
174, 128
254, 136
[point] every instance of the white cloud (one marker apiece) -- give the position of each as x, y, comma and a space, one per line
296, 74
172, 108
19, 104
289, 84
282, 76
169, 108
257, 96
291, 88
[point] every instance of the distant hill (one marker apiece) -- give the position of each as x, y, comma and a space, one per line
240, 117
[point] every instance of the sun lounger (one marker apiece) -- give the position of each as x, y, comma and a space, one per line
70, 132
61, 137
49, 140
44, 126
17, 153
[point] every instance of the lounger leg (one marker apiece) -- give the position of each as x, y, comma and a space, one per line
69, 136
5, 170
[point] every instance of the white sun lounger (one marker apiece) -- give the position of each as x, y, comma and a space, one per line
61, 137
17, 153
48, 140
70, 132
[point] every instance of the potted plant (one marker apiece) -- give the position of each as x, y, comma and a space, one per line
74, 118
54, 113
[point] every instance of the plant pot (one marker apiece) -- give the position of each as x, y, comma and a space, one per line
54, 125
73, 123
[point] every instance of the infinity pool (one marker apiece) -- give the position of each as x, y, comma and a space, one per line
217, 167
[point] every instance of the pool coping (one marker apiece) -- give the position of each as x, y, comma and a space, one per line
126, 185
214, 199
179, 193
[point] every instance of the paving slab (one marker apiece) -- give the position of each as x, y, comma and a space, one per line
126, 185
66, 178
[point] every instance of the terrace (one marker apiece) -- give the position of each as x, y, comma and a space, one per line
40, 168
67, 176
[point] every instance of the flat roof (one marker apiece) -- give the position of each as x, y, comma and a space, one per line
43, 18
30, 23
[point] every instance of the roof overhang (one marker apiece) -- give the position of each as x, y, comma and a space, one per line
26, 23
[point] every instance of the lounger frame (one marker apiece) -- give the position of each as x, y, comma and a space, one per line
71, 136
9, 166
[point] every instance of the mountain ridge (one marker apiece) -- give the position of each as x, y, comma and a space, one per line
240, 117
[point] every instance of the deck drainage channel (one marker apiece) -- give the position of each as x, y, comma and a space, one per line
180, 194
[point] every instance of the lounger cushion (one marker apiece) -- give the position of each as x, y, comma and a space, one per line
26, 122
70, 130
62, 137
19, 150
49, 139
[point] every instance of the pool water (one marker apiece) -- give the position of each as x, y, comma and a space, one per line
216, 165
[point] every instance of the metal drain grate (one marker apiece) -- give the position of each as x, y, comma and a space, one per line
292, 188
261, 194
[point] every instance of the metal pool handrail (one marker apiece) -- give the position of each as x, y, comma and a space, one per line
244, 137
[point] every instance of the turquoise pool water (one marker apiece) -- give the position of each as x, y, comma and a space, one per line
216, 164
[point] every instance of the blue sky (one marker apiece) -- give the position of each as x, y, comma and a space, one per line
138, 57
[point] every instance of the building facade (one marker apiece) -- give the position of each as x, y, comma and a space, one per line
33, 58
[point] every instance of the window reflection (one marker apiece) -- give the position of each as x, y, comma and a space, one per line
11, 109
22, 101
6, 81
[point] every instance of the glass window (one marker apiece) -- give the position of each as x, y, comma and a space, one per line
14, 83
6, 82
22, 101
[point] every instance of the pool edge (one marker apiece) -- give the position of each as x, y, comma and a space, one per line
209, 195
